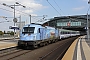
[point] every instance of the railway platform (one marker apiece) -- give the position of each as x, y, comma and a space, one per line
79, 50
4, 45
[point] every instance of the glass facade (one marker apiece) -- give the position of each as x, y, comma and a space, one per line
68, 23
61, 23
79, 21
75, 23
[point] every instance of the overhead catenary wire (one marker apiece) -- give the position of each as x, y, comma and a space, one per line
58, 7
53, 7
12, 11
19, 12
6, 9
63, 12
16, 10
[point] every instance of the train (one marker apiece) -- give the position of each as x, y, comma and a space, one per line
35, 35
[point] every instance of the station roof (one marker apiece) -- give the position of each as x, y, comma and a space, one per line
81, 18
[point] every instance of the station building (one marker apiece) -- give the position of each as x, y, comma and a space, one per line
76, 22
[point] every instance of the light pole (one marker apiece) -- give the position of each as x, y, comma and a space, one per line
15, 19
87, 28
30, 19
88, 22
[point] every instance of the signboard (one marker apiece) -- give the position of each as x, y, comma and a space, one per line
15, 20
14, 27
68, 24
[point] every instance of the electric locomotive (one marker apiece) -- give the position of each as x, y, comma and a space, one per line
34, 35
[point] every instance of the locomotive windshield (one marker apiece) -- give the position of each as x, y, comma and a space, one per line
28, 30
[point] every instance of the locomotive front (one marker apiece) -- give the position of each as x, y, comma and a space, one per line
27, 36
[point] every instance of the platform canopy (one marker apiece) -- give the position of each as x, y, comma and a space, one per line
76, 22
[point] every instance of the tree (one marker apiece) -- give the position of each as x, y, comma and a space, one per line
11, 33
1, 33
4, 32
8, 32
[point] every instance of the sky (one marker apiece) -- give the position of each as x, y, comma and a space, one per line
38, 9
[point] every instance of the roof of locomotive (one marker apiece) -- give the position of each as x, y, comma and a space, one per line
38, 26
33, 25
48, 27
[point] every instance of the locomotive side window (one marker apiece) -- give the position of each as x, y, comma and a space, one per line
39, 30
28, 30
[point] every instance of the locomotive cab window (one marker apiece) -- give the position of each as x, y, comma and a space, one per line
39, 30
28, 30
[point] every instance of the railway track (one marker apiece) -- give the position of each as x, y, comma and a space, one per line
6, 50
53, 51
12, 53
59, 56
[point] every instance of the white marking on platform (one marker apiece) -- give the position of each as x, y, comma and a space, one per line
86, 49
6, 42
79, 51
